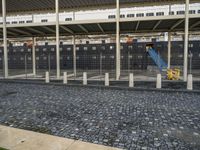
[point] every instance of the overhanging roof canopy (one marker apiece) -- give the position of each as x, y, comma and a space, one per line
14, 6
141, 25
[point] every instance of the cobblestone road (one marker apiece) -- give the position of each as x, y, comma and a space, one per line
123, 119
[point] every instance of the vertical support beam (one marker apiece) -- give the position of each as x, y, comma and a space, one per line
118, 57
33, 56
185, 71
74, 54
57, 40
170, 8
5, 39
33, 18
74, 16
169, 49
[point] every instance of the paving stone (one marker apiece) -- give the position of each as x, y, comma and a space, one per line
119, 118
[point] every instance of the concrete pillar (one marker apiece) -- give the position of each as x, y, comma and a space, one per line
169, 50
74, 16
65, 78
190, 82
5, 39
47, 80
84, 78
170, 7
33, 18
159, 82
118, 53
57, 40
74, 54
131, 80
107, 79
33, 56
185, 66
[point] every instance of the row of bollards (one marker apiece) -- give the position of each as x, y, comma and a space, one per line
189, 82
131, 80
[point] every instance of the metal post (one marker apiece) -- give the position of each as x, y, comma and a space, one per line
5, 39
74, 50
191, 55
169, 50
57, 40
25, 64
74, 54
128, 61
186, 40
100, 64
118, 57
33, 56
49, 63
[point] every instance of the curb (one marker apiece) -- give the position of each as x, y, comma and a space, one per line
41, 82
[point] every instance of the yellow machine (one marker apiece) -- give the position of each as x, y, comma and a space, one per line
173, 74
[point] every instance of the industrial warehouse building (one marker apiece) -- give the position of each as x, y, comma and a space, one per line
119, 73
111, 55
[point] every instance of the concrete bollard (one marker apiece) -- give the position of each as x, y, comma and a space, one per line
65, 78
84, 78
159, 82
106, 79
131, 80
47, 77
190, 82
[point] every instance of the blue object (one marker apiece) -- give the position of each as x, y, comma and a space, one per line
157, 59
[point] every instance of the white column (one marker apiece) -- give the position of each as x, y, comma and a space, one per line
74, 54
65, 78
5, 39
159, 82
84, 78
185, 71
57, 40
106, 79
33, 56
131, 80
118, 57
169, 50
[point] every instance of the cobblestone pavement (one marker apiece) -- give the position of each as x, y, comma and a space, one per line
123, 119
